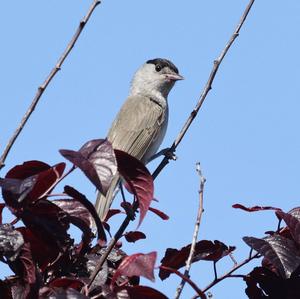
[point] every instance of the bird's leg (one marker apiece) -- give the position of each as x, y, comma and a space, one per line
125, 204
168, 152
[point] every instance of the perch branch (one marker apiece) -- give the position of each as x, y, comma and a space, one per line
195, 234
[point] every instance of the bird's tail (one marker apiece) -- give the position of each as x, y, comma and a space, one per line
103, 203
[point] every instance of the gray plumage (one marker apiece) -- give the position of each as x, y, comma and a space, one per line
141, 124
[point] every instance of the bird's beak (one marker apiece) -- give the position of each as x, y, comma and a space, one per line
174, 77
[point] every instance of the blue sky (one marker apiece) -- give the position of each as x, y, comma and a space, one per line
245, 136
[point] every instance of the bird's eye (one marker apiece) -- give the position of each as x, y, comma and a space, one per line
158, 67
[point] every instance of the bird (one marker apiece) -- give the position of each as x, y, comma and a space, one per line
140, 126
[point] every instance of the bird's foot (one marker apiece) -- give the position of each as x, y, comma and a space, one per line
167, 152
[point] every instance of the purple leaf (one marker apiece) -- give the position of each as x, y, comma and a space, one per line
41, 252
16, 190
293, 223
48, 222
254, 208
138, 292
138, 264
279, 251
76, 209
90, 207
97, 161
204, 250
263, 283
29, 182
132, 237
66, 282
138, 178
28, 264
159, 213
295, 212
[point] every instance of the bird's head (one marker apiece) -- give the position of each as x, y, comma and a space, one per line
155, 77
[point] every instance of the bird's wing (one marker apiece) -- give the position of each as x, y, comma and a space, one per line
137, 128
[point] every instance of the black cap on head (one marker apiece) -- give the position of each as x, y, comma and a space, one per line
163, 63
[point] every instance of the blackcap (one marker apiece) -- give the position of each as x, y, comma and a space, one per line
141, 124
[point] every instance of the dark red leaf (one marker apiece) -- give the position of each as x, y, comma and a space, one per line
48, 222
29, 270
11, 242
14, 191
5, 290
97, 161
80, 217
139, 179
138, 264
159, 213
293, 223
46, 181
30, 181
67, 282
132, 237
138, 292
204, 250
28, 172
19, 290
285, 232
27, 169
2, 206
87, 235
90, 207
280, 252
41, 252
76, 209
254, 208
263, 283
295, 212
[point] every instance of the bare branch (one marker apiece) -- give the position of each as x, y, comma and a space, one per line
206, 89
195, 234
228, 274
42, 87
200, 293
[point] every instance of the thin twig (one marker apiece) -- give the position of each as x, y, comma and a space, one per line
228, 274
233, 258
237, 276
195, 234
42, 87
215, 270
58, 181
204, 93
200, 293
